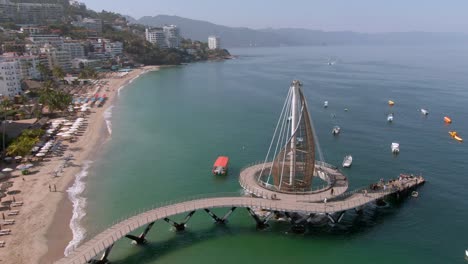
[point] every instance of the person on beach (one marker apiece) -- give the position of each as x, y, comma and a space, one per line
50, 189
55, 188
332, 191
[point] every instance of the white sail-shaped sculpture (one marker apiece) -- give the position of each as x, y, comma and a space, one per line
293, 162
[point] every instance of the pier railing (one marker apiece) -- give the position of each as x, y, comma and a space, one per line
329, 178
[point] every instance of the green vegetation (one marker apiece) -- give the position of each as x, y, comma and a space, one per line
54, 99
88, 73
23, 144
58, 73
44, 71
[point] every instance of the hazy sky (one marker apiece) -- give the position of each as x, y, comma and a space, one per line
332, 15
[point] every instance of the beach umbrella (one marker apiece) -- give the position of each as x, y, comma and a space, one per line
68, 124
22, 167
7, 158
34, 149
7, 170
18, 157
43, 151
64, 129
40, 154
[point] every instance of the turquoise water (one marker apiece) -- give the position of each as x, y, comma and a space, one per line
169, 127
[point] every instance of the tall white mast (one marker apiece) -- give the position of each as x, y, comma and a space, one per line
294, 121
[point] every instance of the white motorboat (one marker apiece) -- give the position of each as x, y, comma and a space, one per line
395, 148
424, 111
325, 104
390, 117
347, 161
336, 130
466, 253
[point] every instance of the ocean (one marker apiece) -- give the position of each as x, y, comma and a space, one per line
169, 126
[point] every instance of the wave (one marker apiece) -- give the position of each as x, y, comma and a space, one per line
107, 118
79, 204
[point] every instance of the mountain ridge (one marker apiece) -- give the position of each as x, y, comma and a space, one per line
243, 36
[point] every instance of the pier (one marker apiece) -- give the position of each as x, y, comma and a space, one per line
334, 209
289, 181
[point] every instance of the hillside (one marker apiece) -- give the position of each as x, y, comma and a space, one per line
241, 37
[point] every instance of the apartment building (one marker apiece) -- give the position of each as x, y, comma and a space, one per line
10, 78
214, 42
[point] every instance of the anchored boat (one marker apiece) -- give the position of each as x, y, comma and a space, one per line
325, 104
220, 167
447, 120
395, 148
336, 130
390, 117
347, 161
391, 103
424, 111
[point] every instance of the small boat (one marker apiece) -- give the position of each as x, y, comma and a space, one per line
447, 120
220, 167
395, 148
390, 117
336, 130
325, 104
391, 103
466, 253
347, 161
414, 194
424, 111
455, 136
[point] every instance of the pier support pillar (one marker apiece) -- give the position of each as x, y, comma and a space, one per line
359, 210
337, 218
221, 220
141, 239
103, 259
261, 223
298, 223
180, 226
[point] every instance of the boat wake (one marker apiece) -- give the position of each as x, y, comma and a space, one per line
107, 118
79, 203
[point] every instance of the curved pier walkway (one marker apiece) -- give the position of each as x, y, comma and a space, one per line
104, 241
335, 179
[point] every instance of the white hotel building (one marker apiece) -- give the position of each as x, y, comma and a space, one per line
214, 42
10, 78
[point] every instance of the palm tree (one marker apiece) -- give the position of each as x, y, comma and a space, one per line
44, 71
54, 99
58, 73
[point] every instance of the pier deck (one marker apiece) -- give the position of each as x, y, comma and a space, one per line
340, 203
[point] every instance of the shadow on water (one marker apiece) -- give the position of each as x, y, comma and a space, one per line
354, 224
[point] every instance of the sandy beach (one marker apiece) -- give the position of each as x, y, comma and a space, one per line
42, 228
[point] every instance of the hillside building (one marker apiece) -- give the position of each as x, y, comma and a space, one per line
75, 49
30, 13
172, 36
214, 42
10, 78
156, 36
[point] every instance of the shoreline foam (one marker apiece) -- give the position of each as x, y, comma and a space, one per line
46, 216
79, 204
